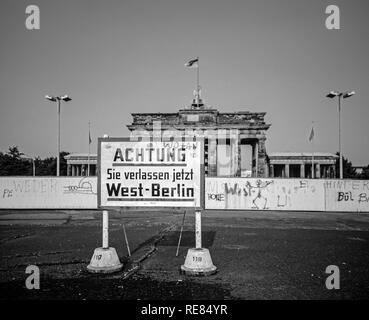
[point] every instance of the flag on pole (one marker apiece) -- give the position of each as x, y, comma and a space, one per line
89, 137
194, 63
311, 137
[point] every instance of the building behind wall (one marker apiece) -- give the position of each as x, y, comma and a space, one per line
227, 136
299, 165
77, 164
234, 144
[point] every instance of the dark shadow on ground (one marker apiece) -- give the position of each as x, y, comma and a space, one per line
188, 239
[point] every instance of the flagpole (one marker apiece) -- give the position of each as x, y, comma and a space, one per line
198, 82
312, 157
88, 159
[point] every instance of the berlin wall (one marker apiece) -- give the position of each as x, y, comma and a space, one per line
347, 195
287, 194
48, 193
220, 193
264, 194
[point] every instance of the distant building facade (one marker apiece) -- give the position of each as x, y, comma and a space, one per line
231, 130
77, 164
244, 132
299, 165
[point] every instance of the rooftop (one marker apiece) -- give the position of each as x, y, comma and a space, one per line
301, 154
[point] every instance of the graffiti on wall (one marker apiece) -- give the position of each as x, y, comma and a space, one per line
256, 192
48, 192
83, 186
343, 195
221, 193
287, 194
18, 186
263, 194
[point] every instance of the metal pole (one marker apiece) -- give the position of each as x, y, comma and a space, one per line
126, 240
88, 160
34, 167
58, 156
198, 82
198, 229
180, 234
312, 159
339, 136
105, 229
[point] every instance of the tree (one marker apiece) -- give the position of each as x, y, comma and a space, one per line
47, 167
12, 164
365, 173
348, 171
15, 153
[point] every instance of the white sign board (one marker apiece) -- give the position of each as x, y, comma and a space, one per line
149, 173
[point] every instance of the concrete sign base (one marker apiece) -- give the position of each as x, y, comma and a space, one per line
198, 263
104, 260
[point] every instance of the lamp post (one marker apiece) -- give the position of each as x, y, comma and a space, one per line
58, 99
340, 95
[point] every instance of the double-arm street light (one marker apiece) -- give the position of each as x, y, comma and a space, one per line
340, 95
58, 99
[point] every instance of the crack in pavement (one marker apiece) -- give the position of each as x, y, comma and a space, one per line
149, 247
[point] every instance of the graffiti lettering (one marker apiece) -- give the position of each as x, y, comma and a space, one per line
230, 190
355, 186
363, 197
217, 197
7, 193
175, 144
303, 184
347, 185
33, 186
345, 196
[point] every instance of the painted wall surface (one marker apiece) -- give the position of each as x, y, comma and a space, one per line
220, 193
48, 192
264, 194
347, 195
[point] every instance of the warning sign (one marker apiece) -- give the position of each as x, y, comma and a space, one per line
149, 174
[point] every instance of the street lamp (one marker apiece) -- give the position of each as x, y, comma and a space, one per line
65, 98
345, 95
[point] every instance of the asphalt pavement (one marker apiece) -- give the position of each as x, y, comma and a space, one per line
258, 255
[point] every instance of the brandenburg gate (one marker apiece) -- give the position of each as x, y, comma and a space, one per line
228, 136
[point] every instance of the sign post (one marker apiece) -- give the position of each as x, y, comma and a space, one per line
198, 229
155, 173
198, 260
105, 230
105, 259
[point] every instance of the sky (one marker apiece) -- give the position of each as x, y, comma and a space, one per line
114, 58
